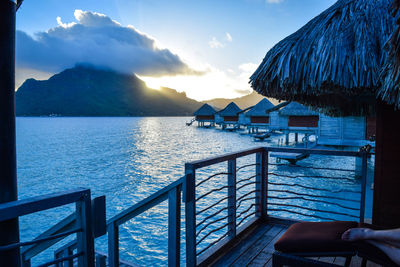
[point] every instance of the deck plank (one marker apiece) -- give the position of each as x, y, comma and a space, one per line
244, 245
264, 244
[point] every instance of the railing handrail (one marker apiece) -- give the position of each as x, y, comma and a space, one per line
214, 160
218, 159
145, 204
14, 209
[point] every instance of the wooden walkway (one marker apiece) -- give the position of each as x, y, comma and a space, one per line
257, 248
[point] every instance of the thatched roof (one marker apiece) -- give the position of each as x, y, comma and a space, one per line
297, 109
390, 90
260, 109
205, 110
230, 110
334, 61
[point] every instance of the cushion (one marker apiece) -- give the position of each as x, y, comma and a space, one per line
309, 237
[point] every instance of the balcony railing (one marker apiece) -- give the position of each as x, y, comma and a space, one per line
223, 197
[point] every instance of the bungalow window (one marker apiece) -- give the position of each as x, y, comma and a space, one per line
303, 121
231, 118
264, 119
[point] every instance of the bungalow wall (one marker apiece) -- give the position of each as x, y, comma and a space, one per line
346, 131
274, 120
218, 119
243, 119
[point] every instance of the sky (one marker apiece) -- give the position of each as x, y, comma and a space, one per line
206, 48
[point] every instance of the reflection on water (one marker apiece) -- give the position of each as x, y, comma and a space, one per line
125, 159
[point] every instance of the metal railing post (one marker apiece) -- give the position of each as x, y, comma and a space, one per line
364, 166
174, 226
85, 241
190, 215
113, 244
232, 198
261, 184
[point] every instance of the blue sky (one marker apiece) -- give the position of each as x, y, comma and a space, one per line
211, 47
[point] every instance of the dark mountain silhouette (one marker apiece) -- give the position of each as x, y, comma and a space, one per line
87, 91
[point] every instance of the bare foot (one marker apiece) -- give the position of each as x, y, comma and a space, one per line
355, 234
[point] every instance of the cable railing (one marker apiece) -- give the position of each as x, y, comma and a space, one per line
230, 199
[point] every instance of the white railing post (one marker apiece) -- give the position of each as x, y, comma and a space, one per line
85, 242
174, 226
232, 198
190, 215
113, 245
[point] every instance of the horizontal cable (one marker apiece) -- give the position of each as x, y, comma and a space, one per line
245, 217
212, 231
211, 215
248, 193
210, 223
311, 195
316, 200
245, 199
314, 168
214, 190
303, 214
312, 176
212, 244
39, 240
247, 179
247, 210
220, 173
311, 209
244, 185
319, 189
245, 166
213, 205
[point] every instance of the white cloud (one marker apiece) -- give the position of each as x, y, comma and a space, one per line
228, 37
274, 1
214, 43
98, 40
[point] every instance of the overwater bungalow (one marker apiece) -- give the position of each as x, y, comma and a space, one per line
297, 118
245, 234
205, 116
229, 116
259, 116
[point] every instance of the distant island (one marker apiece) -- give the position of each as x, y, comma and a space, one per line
90, 91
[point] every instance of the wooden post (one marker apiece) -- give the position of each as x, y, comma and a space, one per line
8, 169
287, 138
190, 215
386, 207
113, 245
296, 137
261, 184
174, 227
232, 198
85, 242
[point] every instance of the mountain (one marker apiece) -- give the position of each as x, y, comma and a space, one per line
87, 91
243, 102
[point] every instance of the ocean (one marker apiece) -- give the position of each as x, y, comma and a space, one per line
127, 159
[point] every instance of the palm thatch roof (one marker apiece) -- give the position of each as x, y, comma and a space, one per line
297, 109
230, 110
260, 109
205, 110
390, 90
333, 62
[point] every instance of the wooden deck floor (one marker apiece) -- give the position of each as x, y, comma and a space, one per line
257, 248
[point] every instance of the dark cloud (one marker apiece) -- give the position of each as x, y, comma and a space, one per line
96, 39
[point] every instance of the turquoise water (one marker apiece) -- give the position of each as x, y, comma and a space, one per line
126, 159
